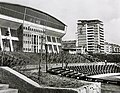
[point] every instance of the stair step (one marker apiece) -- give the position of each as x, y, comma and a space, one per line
9, 90
4, 86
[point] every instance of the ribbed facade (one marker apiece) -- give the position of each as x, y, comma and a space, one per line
90, 35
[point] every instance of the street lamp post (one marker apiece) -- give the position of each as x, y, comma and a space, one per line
3, 52
41, 59
46, 56
43, 36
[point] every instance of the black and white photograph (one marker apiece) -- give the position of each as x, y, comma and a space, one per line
59, 46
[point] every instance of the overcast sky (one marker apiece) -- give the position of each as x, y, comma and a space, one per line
69, 11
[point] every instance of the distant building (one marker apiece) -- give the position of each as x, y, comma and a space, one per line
90, 36
108, 48
69, 44
23, 28
112, 48
70, 47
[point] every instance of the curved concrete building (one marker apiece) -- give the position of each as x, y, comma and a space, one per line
25, 29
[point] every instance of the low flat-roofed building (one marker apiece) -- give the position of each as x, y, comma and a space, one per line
112, 48
70, 46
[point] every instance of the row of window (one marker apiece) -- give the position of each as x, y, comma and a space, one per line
54, 47
29, 35
12, 31
81, 34
33, 29
49, 38
35, 48
31, 42
27, 42
15, 34
27, 49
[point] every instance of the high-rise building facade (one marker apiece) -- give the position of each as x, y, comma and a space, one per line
90, 36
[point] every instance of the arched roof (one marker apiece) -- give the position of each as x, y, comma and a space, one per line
36, 13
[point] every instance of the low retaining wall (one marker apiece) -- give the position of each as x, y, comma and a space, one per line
55, 90
17, 80
26, 85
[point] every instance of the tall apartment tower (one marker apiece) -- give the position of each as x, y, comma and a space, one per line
90, 36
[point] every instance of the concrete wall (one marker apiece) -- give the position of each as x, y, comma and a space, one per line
16, 81
55, 90
26, 85
92, 88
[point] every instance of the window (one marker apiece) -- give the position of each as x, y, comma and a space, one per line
11, 12
37, 39
60, 48
50, 48
48, 38
3, 31
55, 47
53, 39
59, 40
34, 39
